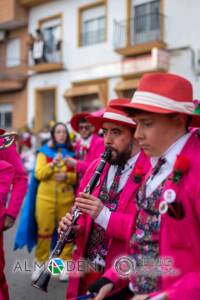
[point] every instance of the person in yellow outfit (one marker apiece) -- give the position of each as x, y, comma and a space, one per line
55, 195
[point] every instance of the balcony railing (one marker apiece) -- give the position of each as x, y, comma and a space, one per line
139, 30
46, 56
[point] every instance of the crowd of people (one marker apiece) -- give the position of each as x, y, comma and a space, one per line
131, 234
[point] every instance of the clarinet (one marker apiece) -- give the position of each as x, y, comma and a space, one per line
43, 280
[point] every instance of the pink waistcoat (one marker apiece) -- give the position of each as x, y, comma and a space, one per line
121, 221
180, 238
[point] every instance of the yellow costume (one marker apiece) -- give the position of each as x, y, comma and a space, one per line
54, 200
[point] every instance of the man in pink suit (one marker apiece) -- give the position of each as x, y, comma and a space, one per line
109, 212
6, 177
168, 203
11, 173
88, 147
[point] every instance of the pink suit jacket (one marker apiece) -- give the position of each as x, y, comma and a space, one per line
180, 238
19, 182
6, 177
120, 221
94, 152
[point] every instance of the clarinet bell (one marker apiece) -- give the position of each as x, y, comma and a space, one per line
43, 281
7, 139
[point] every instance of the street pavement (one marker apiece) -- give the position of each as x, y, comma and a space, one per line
19, 265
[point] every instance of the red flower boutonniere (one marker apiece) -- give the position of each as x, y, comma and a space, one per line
84, 148
181, 166
138, 174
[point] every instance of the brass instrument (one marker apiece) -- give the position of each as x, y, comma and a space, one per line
43, 280
7, 139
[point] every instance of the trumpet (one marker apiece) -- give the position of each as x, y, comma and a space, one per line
43, 280
7, 139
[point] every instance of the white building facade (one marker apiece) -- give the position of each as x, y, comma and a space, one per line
94, 51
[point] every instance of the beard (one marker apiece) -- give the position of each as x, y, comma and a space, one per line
121, 157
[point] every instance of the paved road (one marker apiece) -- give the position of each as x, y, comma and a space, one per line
18, 271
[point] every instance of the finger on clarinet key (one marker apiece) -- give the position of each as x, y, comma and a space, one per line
84, 195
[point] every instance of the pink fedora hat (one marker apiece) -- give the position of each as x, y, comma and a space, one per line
75, 119
112, 115
98, 113
163, 93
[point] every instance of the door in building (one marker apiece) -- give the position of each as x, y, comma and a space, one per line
45, 107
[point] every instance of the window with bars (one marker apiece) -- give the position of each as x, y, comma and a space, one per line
93, 26
146, 21
6, 116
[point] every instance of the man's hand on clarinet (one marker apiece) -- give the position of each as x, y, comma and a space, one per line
65, 222
89, 204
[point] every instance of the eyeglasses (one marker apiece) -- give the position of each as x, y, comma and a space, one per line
86, 127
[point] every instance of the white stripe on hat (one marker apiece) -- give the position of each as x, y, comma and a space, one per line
163, 102
118, 117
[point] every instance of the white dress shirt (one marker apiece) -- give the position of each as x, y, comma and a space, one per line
86, 142
170, 156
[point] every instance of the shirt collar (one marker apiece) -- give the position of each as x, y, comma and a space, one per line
129, 164
87, 141
131, 161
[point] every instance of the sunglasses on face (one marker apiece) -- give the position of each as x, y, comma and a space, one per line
86, 127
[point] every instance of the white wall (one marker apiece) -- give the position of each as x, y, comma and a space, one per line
111, 88
181, 20
181, 31
181, 63
79, 57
